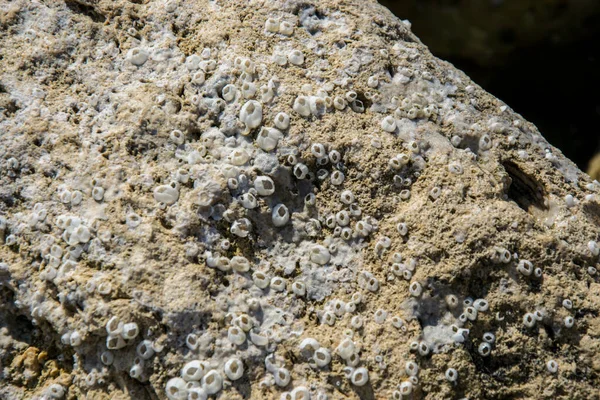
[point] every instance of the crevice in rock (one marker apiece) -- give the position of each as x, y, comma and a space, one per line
80, 7
523, 189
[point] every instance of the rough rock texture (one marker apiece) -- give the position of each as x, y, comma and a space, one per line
145, 163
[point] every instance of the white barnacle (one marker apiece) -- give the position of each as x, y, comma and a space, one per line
593, 247
299, 288
481, 305
339, 103
280, 215
264, 186
137, 56
130, 330
234, 369
282, 377
406, 388
199, 77
471, 313
402, 229
278, 284
415, 289
193, 371
229, 92
268, 138
98, 193
192, 62
346, 233
411, 368
212, 382
421, 347
144, 350
460, 335
239, 264
282, 121
236, 335
489, 337
166, 194
363, 228
405, 194
248, 201
435, 192
286, 28
455, 168
485, 142
484, 349
529, 320
322, 357
238, 157
346, 349
347, 197
317, 105
176, 389
241, 227
266, 94
248, 89
272, 25
451, 375
251, 114
552, 366
261, 280
132, 220
569, 321
115, 342
525, 267
356, 322
414, 147
372, 81
335, 156
342, 218
296, 57
337, 177
360, 376
388, 124
301, 171
372, 284
319, 255
309, 345
107, 357
302, 106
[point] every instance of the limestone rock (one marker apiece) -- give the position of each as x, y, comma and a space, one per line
278, 199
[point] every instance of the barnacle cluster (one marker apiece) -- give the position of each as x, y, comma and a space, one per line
305, 204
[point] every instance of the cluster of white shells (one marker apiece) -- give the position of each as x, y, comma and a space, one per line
276, 212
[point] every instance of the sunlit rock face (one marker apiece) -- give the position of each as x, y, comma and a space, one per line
278, 200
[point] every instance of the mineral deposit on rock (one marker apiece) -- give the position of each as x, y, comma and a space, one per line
278, 200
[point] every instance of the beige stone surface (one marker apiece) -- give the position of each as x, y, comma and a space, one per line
95, 96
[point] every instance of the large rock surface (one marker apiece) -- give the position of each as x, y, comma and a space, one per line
136, 139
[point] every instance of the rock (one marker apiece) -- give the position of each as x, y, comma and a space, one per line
426, 237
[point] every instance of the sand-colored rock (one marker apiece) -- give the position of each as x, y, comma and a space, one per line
125, 187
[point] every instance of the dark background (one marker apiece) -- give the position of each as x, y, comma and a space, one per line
541, 57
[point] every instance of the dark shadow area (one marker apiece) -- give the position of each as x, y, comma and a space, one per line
540, 58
